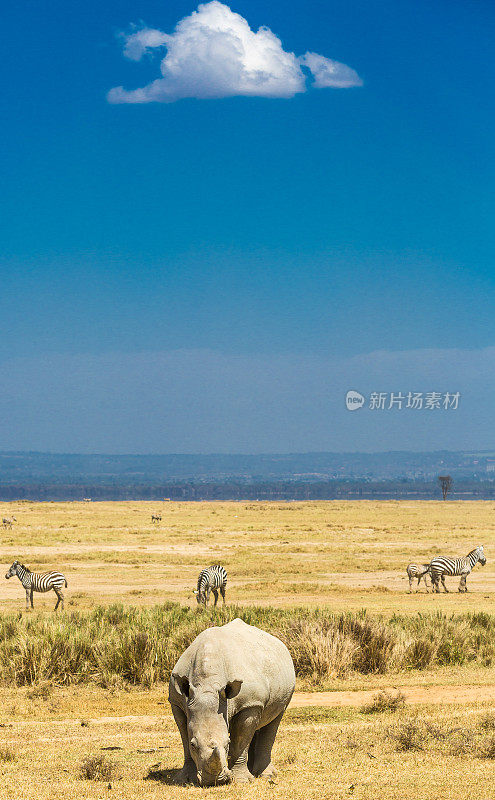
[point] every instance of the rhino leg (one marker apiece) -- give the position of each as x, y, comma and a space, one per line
188, 773
260, 752
242, 729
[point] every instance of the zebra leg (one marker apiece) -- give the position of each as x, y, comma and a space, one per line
28, 594
410, 584
222, 592
419, 581
462, 584
31, 597
60, 599
443, 583
215, 595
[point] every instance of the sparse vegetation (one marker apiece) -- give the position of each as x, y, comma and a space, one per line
384, 701
407, 735
7, 754
487, 749
97, 768
487, 721
41, 691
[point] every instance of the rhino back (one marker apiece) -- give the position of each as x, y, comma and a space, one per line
238, 651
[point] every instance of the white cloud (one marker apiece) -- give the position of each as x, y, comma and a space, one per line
214, 53
328, 73
141, 42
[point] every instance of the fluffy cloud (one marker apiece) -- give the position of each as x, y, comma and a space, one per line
330, 74
214, 53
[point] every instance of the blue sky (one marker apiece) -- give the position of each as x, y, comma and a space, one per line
319, 228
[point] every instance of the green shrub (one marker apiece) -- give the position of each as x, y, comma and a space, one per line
130, 645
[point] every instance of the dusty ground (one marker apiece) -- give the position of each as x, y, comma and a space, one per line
341, 555
320, 752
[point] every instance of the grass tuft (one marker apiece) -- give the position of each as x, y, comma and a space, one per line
384, 701
487, 749
407, 736
97, 768
7, 754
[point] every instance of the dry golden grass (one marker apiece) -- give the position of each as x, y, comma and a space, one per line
344, 555
333, 753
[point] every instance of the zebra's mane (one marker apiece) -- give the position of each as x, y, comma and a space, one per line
26, 568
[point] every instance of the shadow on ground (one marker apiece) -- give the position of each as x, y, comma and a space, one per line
167, 776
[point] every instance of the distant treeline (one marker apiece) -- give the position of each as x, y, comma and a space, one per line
263, 490
67, 469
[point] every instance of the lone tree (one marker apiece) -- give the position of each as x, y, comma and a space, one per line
446, 484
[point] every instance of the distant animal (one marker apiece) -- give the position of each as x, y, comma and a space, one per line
419, 571
211, 579
228, 692
38, 582
156, 517
87, 500
7, 521
442, 566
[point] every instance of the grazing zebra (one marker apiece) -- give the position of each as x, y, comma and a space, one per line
7, 521
442, 566
156, 517
211, 579
419, 571
38, 582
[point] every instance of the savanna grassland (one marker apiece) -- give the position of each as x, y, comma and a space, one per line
84, 711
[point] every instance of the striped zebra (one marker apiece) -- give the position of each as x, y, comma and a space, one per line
7, 521
211, 579
38, 582
419, 571
442, 566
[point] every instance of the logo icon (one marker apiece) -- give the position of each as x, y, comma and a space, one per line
354, 400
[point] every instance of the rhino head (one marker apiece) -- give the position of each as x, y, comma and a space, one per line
207, 728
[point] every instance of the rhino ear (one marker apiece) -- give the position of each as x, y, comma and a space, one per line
232, 689
181, 684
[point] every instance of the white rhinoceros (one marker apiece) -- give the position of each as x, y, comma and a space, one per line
228, 692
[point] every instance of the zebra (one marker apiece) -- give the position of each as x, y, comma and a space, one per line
38, 582
419, 571
442, 566
212, 579
156, 517
7, 521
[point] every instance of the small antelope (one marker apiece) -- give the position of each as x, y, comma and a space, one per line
7, 521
